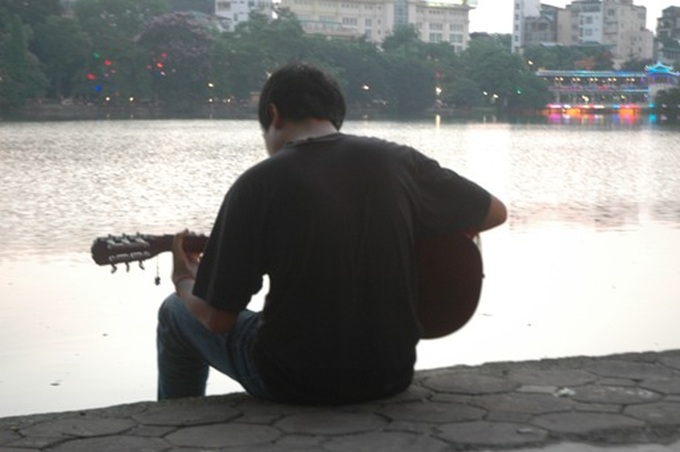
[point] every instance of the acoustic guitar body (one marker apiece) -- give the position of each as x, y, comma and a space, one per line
450, 277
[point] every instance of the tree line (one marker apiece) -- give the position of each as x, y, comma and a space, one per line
140, 51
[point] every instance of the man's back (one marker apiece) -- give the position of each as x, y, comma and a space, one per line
334, 217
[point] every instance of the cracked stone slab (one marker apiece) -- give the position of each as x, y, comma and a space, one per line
623, 395
433, 412
200, 413
220, 435
330, 423
585, 423
660, 413
671, 360
386, 441
665, 385
523, 403
579, 447
79, 427
490, 434
113, 444
468, 383
557, 377
34, 443
627, 369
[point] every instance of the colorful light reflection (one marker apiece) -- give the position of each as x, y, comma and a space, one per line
594, 113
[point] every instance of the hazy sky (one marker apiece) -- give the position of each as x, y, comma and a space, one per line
495, 16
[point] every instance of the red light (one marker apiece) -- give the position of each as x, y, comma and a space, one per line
91, 76
107, 63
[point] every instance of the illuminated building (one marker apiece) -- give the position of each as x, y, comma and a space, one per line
606, 91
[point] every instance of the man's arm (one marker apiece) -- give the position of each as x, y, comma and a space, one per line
495, 216
183, 276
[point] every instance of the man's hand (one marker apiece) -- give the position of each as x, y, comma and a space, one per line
185, 264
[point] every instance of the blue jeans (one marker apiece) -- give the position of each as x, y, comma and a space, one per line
186, 350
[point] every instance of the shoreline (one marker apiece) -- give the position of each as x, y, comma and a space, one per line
53, 111
614, 403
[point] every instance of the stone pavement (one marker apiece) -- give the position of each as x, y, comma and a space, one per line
628, 402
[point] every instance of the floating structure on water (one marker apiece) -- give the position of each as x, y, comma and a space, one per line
579, 92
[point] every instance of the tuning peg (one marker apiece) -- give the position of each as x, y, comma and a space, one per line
113, 268
127, 266
141, 265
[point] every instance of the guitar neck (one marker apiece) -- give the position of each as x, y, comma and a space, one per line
163, 243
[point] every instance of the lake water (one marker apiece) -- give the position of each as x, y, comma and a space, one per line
586, 265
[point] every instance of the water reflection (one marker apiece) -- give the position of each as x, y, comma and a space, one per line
625, 117
586, 264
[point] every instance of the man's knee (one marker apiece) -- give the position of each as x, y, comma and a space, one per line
170, 308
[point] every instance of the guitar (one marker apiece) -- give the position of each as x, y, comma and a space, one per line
449, 267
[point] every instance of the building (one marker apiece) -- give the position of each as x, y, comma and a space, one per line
668, 25
619, 25
445, 21
523, 9
344, 19
233, 12
541, 29
442, 22
668, 34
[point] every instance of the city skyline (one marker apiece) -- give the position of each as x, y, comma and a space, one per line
495, 16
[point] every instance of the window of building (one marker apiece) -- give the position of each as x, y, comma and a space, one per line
437, 27
456, 38
435, 37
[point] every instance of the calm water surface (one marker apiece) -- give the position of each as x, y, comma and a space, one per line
587, 263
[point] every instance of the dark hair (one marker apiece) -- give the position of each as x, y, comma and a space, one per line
301, 91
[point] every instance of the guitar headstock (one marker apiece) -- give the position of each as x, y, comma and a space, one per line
123, 249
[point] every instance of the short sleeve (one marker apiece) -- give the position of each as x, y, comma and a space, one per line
230, 271
446, 200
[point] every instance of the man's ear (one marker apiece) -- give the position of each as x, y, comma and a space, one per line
277, 120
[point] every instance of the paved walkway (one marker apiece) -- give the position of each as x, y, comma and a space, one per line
625, 402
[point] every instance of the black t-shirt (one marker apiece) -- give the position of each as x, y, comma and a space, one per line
333, 221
